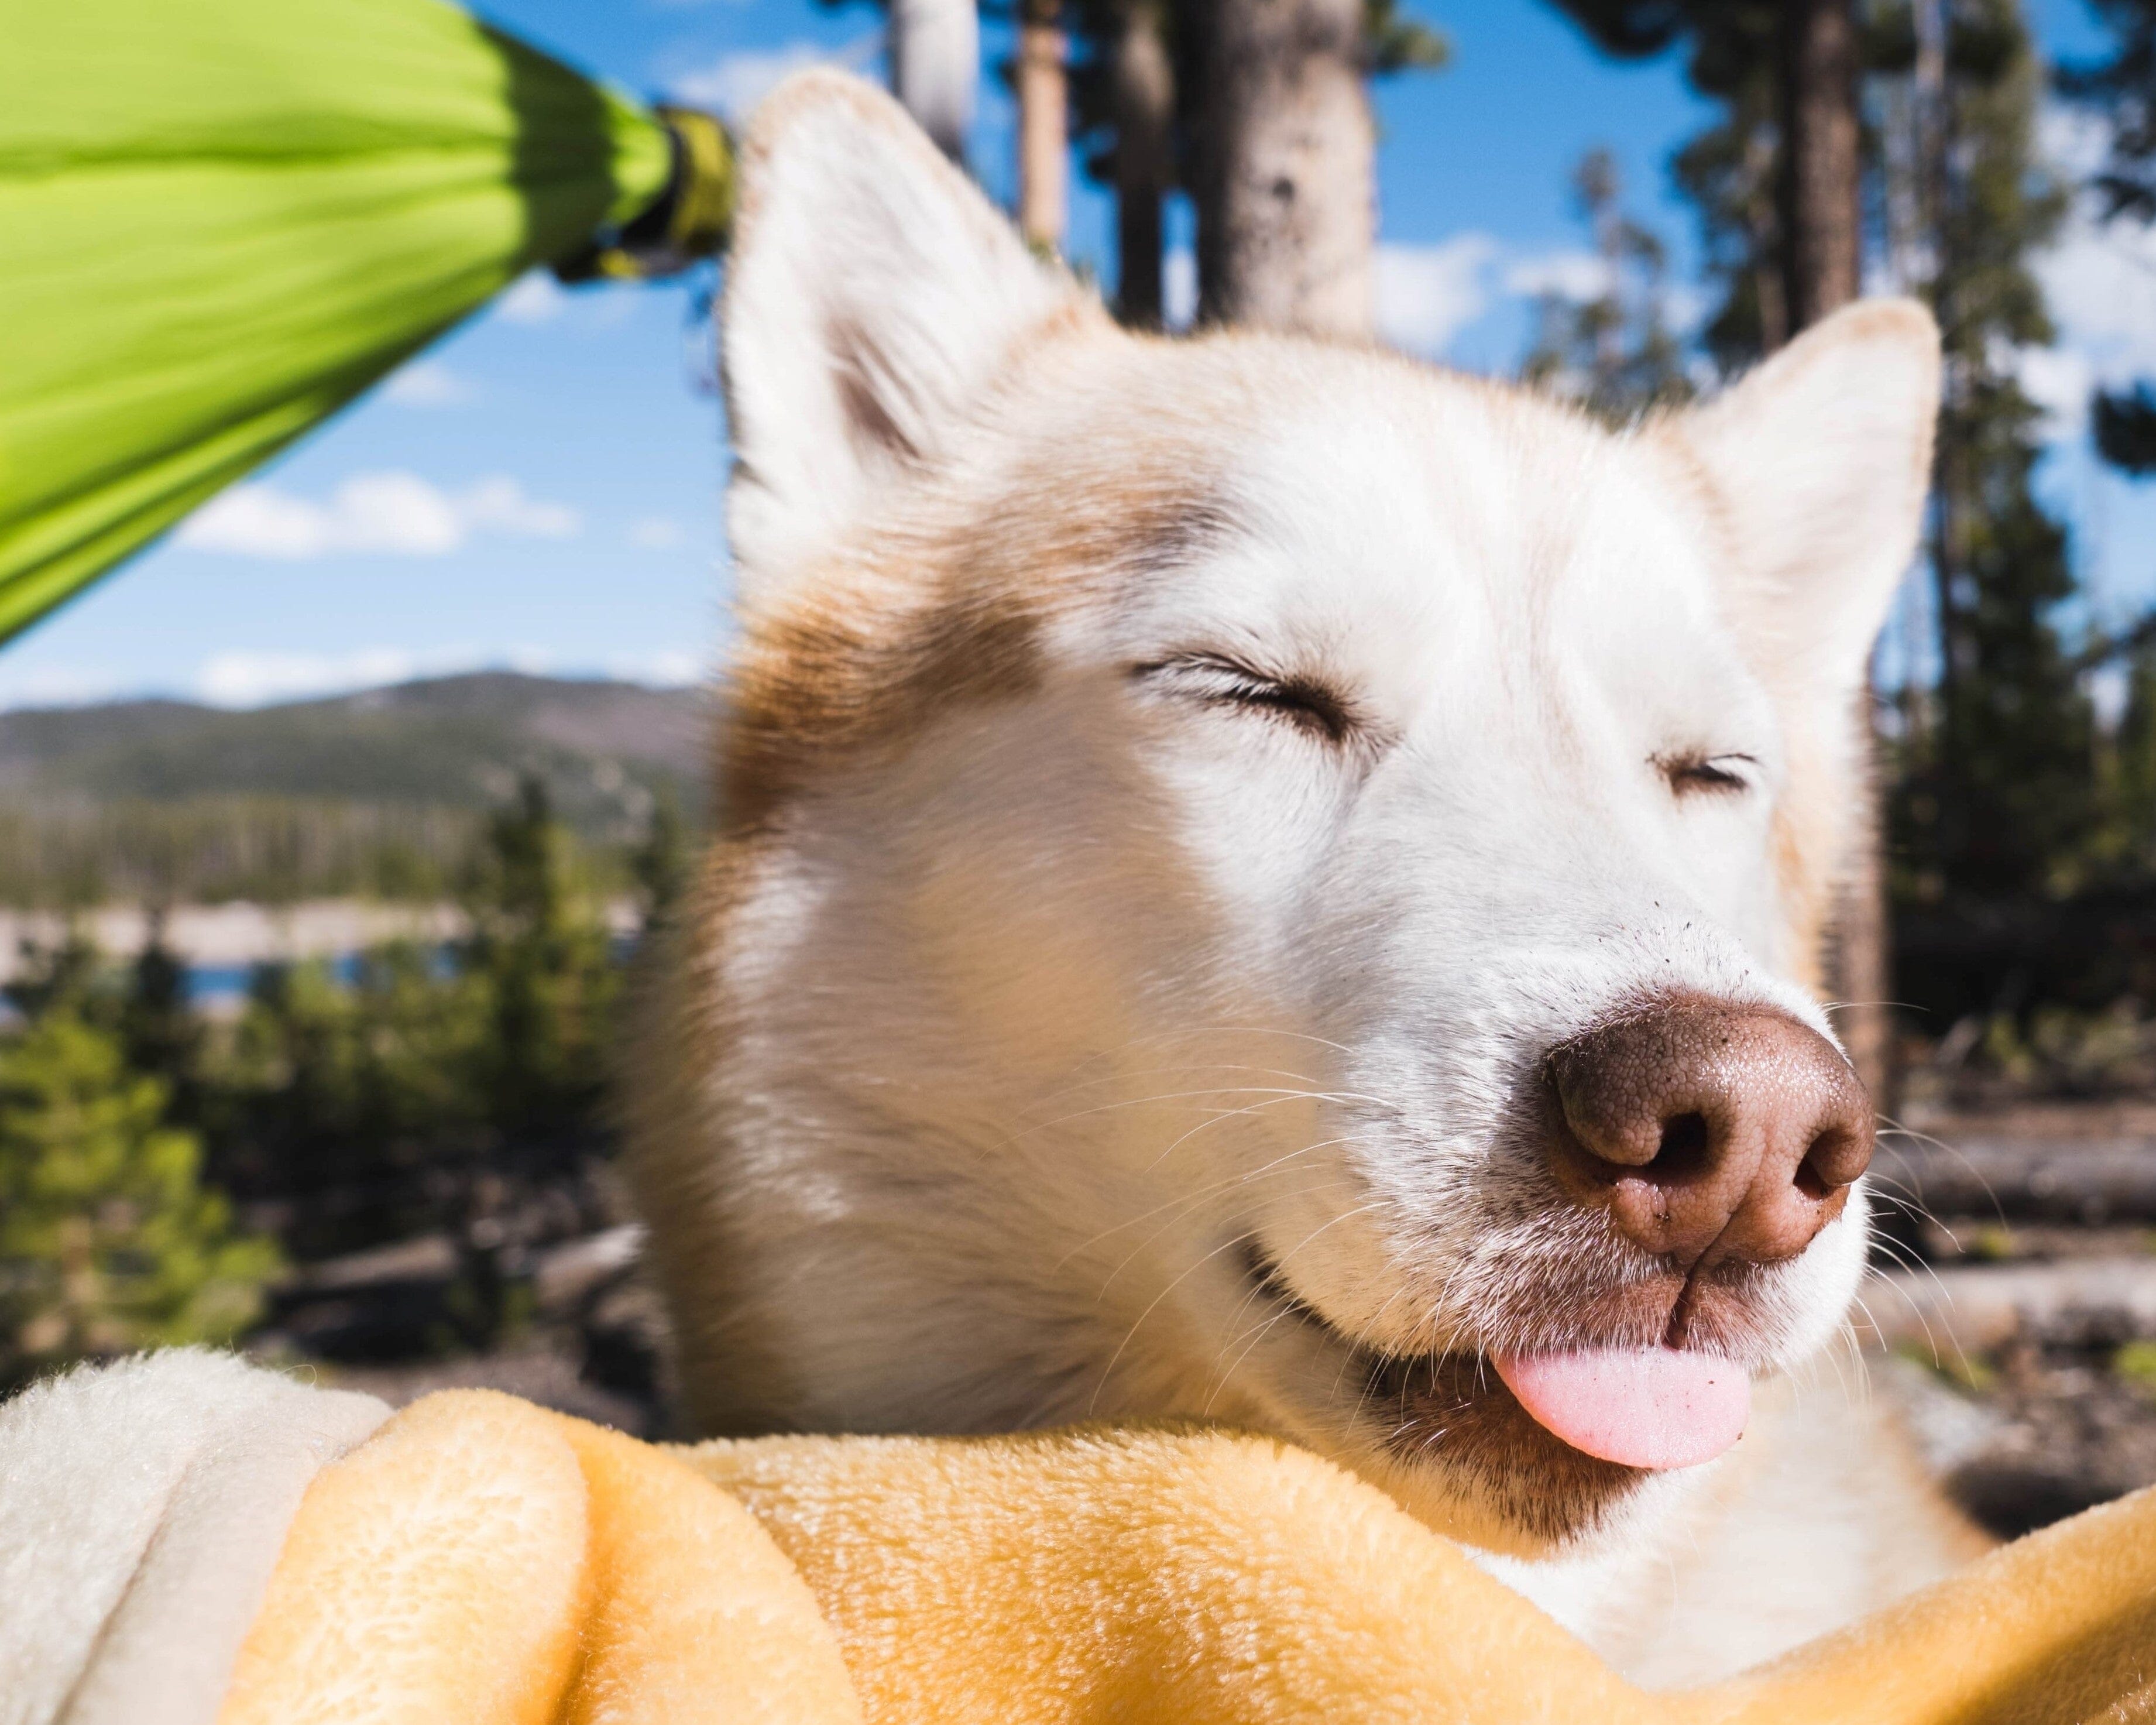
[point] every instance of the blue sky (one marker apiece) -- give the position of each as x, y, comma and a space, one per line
542, 490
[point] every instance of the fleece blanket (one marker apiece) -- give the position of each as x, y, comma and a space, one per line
188, 1540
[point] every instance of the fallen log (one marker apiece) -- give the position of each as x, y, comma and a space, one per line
1961, 1309
2083, 1182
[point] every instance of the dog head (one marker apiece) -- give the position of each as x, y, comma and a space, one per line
1263, 878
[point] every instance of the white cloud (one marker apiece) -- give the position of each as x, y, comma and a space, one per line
500, 503
2099, 283
2072, 141
536, 297
2058, 380
427, 383
1428, 294
398, 514
532, 661
384, 514
656, 533
663, 668
735, 82
249, 678
1571, 274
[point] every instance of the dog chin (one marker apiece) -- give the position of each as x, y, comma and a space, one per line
1443, 1435
1454, 1444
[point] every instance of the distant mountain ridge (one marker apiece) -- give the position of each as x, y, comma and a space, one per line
380, 795
454, 743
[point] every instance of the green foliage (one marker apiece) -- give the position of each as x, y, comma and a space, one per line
1394, 43
379, 795
2002, 788
2123, 90
69, 976
1997, 795
1972, 1374
2124, 421
2057, 1049
408, 1089
108, 1240
1731, 169
327, 1082
1614, 353
2135, 1362
539, 957
662, 862
418, 1058
214, 849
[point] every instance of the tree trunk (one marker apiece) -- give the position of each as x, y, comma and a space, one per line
1819, 167
1145, 108
936, 67
1043, 127
1288, 195
1822, 240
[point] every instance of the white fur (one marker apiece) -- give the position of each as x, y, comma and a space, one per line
142, 1506
899, 287
1033, 1020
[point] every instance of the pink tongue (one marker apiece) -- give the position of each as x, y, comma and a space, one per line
1649, 1407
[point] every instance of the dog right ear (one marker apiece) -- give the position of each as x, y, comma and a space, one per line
872, 295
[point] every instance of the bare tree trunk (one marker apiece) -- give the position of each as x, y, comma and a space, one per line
1763, 222
1145, 108
1821, 171
1822, 254
1287, 194
1043, 127
936, 67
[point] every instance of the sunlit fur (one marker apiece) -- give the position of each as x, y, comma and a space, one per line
1070, 1026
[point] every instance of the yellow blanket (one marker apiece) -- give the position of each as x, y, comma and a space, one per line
480, 1560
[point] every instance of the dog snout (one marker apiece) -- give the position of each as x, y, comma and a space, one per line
1710, 1127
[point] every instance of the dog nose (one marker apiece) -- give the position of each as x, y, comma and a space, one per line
1704, 1125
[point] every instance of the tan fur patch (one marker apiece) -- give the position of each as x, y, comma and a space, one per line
944, 611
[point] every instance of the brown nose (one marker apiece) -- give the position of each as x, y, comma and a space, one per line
1703, 1124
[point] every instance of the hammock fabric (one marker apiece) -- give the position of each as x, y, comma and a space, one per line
220, 220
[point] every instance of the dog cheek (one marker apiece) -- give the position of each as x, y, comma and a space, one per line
1022, 981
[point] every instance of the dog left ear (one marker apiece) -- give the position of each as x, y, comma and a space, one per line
1820, 459
873, 296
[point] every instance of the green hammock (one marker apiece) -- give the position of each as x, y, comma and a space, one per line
220, 220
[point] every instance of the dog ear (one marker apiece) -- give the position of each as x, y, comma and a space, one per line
872, 294
1820, 459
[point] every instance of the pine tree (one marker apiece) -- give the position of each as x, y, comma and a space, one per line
539, 952
663, 862
108, 1241
159, 1031
1613, 353
1732, 170
1997, 794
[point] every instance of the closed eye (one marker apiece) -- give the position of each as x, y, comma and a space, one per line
1219, 681
1709, 775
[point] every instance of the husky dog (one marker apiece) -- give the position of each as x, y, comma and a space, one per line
1265, 882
